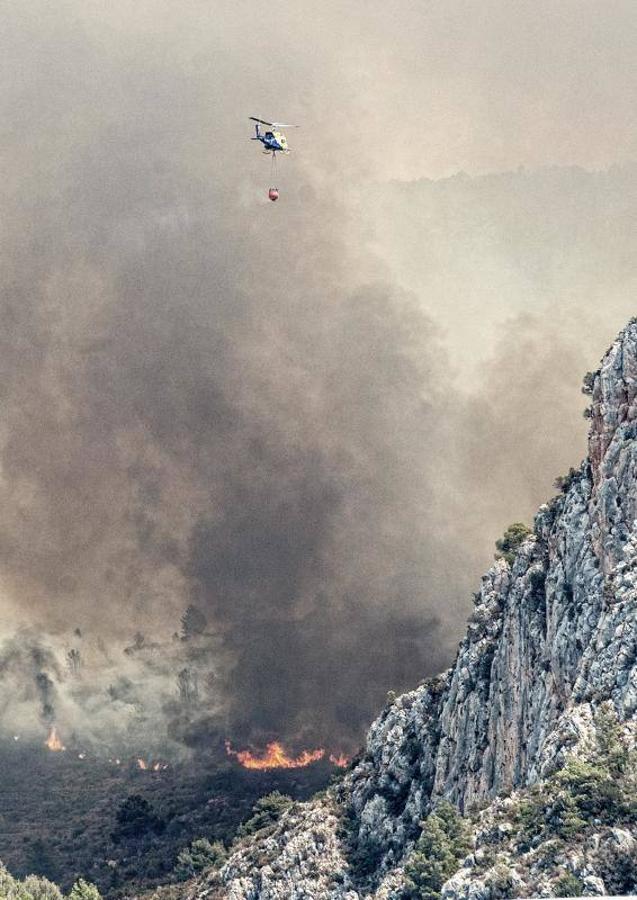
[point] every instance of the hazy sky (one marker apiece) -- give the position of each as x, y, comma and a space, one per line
310, 418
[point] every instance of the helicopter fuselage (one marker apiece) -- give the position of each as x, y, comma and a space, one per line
273, 141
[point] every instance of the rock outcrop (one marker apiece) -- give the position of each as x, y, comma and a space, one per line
552, 637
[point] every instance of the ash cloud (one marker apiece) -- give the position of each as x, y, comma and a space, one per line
212, 400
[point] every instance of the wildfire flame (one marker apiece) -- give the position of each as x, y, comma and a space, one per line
274, 757
339, 759
53, 742
149, 766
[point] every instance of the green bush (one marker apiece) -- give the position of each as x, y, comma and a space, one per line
441, 847
10, 889
200, 855
36, 888
589, 383
502, 883
568, 885
193, 623
135, 818
513, 538
618, 869
610, 745
564, 483
265, 812
82, 890
32, 888
364, 850
595, 790
39, 888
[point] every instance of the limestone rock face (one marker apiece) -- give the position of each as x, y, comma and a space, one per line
551, 637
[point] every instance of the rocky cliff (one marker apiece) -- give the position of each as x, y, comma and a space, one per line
552, 639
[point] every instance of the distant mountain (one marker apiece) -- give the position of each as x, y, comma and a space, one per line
530, 734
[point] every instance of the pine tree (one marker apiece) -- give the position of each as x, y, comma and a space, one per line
82, 890
193, 623
441, 847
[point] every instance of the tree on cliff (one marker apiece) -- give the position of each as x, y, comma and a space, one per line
193, 623
513, 538
443, 843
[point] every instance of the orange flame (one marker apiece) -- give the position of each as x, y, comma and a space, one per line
339, 759
53, 742
148, 766
274, 757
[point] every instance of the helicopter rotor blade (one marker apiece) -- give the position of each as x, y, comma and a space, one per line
281, 125
262, 121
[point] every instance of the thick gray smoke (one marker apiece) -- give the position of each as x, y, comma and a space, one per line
254, 409
206, 401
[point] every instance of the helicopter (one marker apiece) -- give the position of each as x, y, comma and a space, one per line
273, 141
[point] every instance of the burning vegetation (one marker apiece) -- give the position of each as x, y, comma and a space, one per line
148, 766
275, 757
339, 759
53, 741
55, 744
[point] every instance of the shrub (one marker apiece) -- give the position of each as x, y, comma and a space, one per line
82, 890
502, 883
563, 817
365, 855
594, 789
40, 858
200, 855
265, 812
618, 870
568, 885
41, 888
442, 845
32, 888
9, 887
136, 818
608, 736
589, 383
436, 685
564, 483
193, 623
509, 544
364, 851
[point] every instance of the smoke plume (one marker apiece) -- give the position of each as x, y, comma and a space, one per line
306, 421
